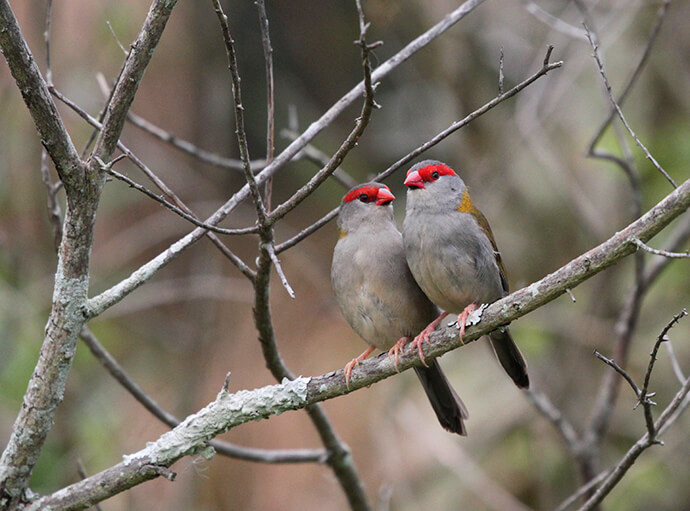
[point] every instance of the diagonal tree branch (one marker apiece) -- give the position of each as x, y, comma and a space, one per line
137, 61
47, 120
224, 448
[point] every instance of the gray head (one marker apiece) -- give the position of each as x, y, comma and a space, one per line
431, 183
364, 203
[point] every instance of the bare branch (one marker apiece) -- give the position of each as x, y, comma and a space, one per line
270, 107
107, 167
637, 71
600, 65
137, 61
224, 448
34, 90
500, 73
544, 405
239, 114
612, 363
655, 251
669, 415
246, 271
644, 394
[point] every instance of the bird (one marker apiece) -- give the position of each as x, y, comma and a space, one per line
378, 296
453, 256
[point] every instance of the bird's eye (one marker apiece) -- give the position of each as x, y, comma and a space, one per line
435, 175
364, 197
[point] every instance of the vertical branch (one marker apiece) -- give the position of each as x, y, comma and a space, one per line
239, 113
270, 107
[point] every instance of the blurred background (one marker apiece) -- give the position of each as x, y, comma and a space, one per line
525, 162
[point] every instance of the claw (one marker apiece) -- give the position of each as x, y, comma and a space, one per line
423, 337
396, 349
355, 362
462, 318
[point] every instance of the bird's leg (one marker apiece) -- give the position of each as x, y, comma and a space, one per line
355, 362
462, 318
423, 336
397, 348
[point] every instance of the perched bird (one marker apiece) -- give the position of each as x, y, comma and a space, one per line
378, 296
452, 255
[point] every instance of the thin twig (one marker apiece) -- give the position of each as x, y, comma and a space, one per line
644, 395
270, 107
667, 417
544, 405
637, 71
612, 363
600, 65
46, 38
239, 114
54, 211
117, 39
241, 265
279, 269
675, 364
351, 140
107, 167
320, 158
583, 490
552, 21
500, 73
656, 251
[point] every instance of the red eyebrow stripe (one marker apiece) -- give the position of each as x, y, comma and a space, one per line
441, 168
371, 191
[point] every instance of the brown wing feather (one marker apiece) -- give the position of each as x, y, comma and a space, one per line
467, 206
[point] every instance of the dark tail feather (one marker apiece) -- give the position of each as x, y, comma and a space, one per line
449, 408
509, 356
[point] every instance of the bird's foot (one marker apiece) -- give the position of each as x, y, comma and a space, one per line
355, 362
396, 349
462, 318
423, 337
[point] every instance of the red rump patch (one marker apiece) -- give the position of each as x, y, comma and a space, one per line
370, 191
441, 168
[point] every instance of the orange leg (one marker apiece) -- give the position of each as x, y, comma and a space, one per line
462, 318
396, 349
355, 362
423, 336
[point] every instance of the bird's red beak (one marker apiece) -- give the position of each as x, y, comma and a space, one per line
414, 180
384, 197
